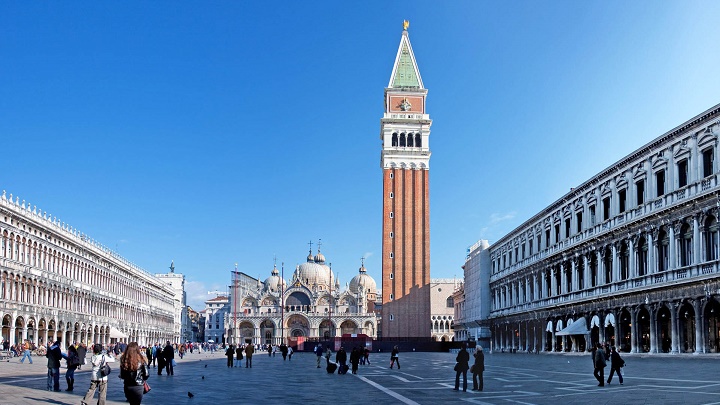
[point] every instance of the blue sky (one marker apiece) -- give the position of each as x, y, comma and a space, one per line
217, 133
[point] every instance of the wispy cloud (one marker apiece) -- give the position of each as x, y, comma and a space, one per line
197, 293
496, 218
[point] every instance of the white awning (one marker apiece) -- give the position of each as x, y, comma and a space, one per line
116, 334
549, 327
610, 320
576, 328
595, 322
559, 326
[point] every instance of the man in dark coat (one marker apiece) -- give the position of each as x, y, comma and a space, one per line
168, 355
82, 354
478, 369
54, 355
462, 359
599, 363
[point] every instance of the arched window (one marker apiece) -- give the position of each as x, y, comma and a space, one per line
663, 249
624, 261
410, 140
642, 256
685, 245
418, 141
395, 139
608, 265
710, 235
402, 140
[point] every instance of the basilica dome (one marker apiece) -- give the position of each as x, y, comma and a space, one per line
274, 283
315, 272
363, 282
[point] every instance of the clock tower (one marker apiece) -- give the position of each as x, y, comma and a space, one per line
405, 162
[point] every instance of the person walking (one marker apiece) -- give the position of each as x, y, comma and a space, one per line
97, 382
355, 359
478, 368
599, 365
168, 354
26, 352
341, 358
290, 352
394, 357
230, 352
82, 354
616, 362
54, 355
318, 353
283, 350
238, 356
133, 371
249, 350
366, 355
73, 362
462, 359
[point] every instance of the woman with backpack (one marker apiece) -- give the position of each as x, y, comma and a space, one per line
97, 380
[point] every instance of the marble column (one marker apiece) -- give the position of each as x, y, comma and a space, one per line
675, 344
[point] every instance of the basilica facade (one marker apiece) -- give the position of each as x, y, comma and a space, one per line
56, 282
629, 257
311, 306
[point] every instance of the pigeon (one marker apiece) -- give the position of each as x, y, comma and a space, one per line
206, 366
190, 394
203, 377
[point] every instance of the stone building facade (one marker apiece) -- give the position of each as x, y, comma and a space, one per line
311, 307
56, 282
629, 257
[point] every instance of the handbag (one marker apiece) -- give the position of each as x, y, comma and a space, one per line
146, 387
173, 362
472, 369
105, 369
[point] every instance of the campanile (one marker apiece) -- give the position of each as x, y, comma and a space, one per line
405, 161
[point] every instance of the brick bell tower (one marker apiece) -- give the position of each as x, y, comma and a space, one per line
405, 134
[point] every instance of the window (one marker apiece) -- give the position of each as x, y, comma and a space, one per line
592, 214
640, 192
392, 317
418, 141
567, 227
392, 195
392, 255
394, 140
392, 276
391, 214
685, 245
642, 252
450, 303
392, 235
710, 235
708, 160
606, 208
547, 238
578, 221
622, 195
392, 175
660, 183
392, 297
663, 249
557, 233
682, 173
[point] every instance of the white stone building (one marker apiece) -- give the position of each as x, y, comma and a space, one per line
442, 308
475, 302
216, 311
629, 257
57, 282
182, 325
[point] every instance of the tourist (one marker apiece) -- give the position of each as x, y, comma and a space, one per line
249, 350
616, 362
230, 352
82, 354
462, 359
284, 350
54, 355
355, 359
238, 356
96, 380
134, 372
366, 356
341, 359
394, 357
318, 352
478, 368
290, 352
26, 352
599, 364
328, 354
73, 362
168, 354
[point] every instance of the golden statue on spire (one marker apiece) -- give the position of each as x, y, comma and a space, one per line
406, 24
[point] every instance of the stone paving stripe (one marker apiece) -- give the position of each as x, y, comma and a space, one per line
388, 391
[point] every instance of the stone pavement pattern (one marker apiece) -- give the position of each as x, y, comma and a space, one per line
425, 378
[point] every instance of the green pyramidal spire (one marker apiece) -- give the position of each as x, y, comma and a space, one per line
405, 72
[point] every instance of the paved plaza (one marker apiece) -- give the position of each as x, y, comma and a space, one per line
425, 378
